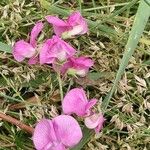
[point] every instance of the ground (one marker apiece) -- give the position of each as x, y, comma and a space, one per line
30, 92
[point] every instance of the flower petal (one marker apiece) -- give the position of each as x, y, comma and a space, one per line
67, 130
22, 50
43, 134
59, 25
61, 45
87, 62
89, 105
75, 19
75, 101
54, 146
80, 66
33, 60
35, 32
44, 53
55, 48
66, 66
100, 125
59, 147
56, 21
76, 30
94, 121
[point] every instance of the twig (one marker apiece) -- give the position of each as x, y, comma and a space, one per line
16, 122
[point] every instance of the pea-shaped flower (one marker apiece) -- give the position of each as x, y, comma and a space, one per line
23, 49
74, 25
76, 102
77, 66
95, 121
55, 49
60, 133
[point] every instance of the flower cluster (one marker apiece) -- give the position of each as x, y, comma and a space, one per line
76, 102
56, 51
62, 132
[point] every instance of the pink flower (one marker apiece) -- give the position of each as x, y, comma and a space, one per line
60, 133
76, 102
95, 122
55, 49
22, 49
77, 66
74, 25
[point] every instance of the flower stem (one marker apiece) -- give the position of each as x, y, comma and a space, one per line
16, 122
60, 86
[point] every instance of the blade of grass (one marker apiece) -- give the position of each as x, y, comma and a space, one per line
147, 1
123, 8
139, 24
10, 98
94, 5
80, 5
5, 48
104, 7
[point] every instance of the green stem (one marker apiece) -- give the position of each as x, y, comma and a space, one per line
60, 86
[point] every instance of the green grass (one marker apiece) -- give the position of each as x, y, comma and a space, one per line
120, 77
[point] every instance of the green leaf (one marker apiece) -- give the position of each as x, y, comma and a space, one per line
98, 75
87, 133
5, 48
123, 8
139, 24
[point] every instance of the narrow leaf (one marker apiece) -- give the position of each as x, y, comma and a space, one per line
139, 24
5, 48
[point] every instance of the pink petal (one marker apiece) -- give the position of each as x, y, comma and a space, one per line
33, 60
60, 147
76, 30
100, 125
55, 49
22, 50
17, 56
35, 32
56, 21
89, 105
76, 20
95, 121
75, 101
59, 25
44, 53
67, 130
80, 65
85, 61
58, 30
74, 25
66, 66
62, 45
43, 134
54, 146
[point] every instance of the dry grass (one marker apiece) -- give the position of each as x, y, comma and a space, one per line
31, 92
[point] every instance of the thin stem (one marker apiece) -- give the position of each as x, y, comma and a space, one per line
60, 86
70, 84
8, 97
103, 7
16, 122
